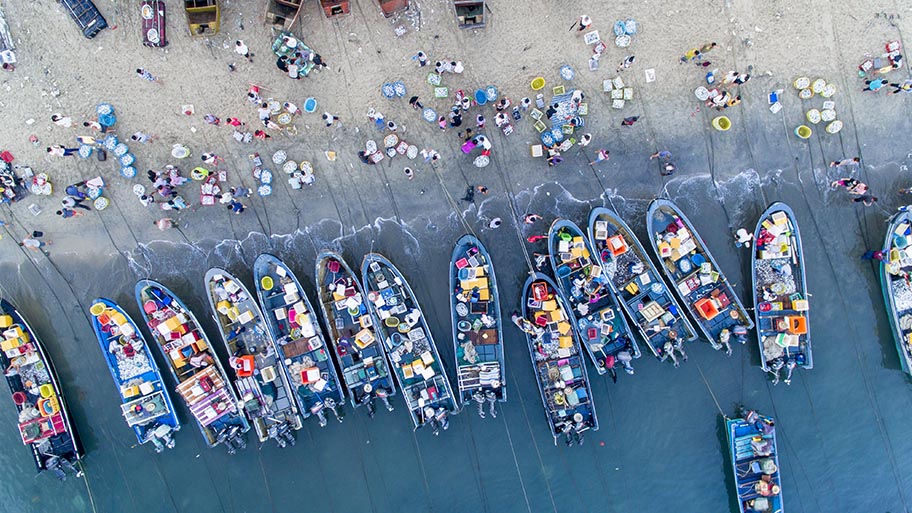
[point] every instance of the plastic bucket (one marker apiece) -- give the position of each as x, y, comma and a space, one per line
481, 97
538, 83
266, 282
97, 309
721, 123
803, 131
310, 105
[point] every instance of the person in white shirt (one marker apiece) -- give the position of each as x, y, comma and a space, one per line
242, 50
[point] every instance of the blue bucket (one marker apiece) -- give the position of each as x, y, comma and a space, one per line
127, 159
547, 139
429, 114
399, 89
388, 91
491, 93
103, 109
107, 119
111, 142
128, 171
85, 151
481, 97
310, 104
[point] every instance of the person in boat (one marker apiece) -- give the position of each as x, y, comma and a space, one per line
758, 505
491, 398
201, 360
765, 487
526, 325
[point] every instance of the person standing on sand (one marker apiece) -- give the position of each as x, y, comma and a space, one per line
531, 218
689, 55
329, 119
34, 244
495, 223
145, 75
61, 120
629, 121
164, 223
584, 22
707, 47
242, 50
67, 213
600, 155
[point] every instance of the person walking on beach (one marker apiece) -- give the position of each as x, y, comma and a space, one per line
482, 189
867, 199
532, 218
242, 50
61, 120
901, 87
662, 154
165, 223
853, 186
409, 173
874, 85
707, 47
626, 63
690, 55
845, 162
600, 156
59, 151
33, 243
145, 75
413, 101
629, 121
584, 140
67, 213
236, 206
495, 223
421, 58
329, 119
259, 134
143, 138
584, 23
212, 119
73, 202
878, 255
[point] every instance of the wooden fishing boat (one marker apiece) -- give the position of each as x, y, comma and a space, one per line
780, 293
267, 396
895, 270
409, 344
698, 280
145, 403
353, 333
556, 360
43, 419
201, 379
636, 281
477, 327
597, 318
293, 324
755, 462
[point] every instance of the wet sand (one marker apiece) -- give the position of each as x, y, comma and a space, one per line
842, 425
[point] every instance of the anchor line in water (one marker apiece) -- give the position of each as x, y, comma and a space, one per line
511, 202
522, 484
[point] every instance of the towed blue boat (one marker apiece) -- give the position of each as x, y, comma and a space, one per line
299, 340
780, 293
409, 343
145, 403
636, 281
201, 380
895, 270
592, 302
754, 458
560, 370
352, 333
477, 327
698, 280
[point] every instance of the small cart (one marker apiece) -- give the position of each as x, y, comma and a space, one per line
153, 23
203, 17
470, 13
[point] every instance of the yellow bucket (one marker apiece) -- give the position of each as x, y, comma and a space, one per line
46, 390
803, 131
721, 123
97, 309
266, 282
538, 83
